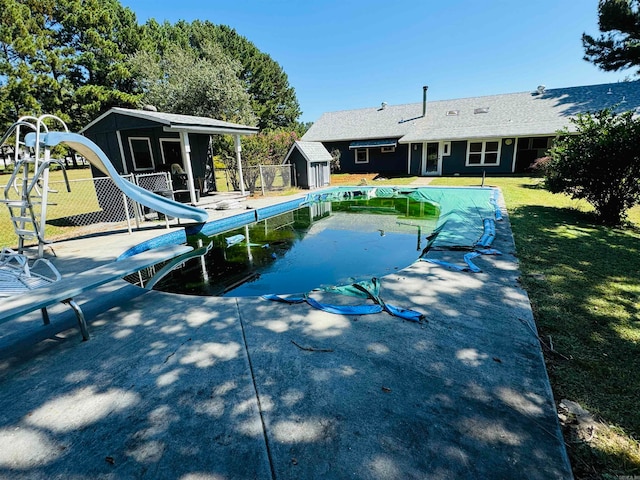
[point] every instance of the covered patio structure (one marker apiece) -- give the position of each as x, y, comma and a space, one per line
147, 141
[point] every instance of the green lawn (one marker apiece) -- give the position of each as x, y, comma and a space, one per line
583, 280
81, 199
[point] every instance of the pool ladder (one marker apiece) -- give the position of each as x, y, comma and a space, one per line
22, 192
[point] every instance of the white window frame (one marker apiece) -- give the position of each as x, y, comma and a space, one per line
388, 149
366, 150
483, 152
133, 155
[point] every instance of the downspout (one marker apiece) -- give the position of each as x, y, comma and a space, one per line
424, 100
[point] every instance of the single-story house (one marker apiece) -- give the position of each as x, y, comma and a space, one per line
147, 141
495, 134
312, 164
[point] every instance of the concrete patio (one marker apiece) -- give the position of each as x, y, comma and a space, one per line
173, 386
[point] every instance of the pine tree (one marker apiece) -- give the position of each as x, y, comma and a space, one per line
618, 46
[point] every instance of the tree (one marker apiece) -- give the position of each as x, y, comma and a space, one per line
265, 148
180, 81
618, 47
65, 57
601, 163
273, 100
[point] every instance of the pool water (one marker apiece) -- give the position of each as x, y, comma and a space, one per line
324, 243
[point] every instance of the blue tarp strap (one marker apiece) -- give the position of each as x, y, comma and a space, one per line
489, 233
366, 289
290, 300
472, 266
442, 263
488, 251
345, 309
403, 313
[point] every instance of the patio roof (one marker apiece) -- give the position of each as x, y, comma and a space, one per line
182, 123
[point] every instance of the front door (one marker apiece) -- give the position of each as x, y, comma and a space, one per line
431, 164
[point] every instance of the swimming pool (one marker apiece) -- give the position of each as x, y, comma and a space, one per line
333, 237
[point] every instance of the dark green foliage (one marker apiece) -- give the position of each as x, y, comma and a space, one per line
65, 57
600, 164
618, 47
72, 58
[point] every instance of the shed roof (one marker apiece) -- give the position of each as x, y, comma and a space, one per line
176, 122
311, 151
505, 115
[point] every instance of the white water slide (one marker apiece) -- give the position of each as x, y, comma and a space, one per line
99, 159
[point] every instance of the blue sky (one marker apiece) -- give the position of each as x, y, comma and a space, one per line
342, 55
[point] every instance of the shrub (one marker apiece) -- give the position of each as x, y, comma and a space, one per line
600, 163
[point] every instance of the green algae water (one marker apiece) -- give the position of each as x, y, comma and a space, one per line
321, 244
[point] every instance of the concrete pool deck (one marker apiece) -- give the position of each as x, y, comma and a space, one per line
173, 386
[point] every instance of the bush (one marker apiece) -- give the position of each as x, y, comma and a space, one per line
601, 163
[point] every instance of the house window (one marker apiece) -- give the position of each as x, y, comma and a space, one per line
141, 153
446, 149
362, 155
483, 152
387, 149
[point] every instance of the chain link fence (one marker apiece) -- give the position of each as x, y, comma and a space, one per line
93, 201
259, 179
98, 200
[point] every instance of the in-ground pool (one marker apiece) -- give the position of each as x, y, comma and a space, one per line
336, 237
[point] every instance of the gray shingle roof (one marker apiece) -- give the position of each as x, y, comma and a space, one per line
183, 122
312, 151
366, 123
507, 115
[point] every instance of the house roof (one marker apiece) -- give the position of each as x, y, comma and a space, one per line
176, 122
392, 121
311, 151
506, 115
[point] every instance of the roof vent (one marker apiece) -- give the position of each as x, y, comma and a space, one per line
383, 105
540, 89
452, 113
481, 110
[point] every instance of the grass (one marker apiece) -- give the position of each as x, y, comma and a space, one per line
79, 200
368, 179
583, 281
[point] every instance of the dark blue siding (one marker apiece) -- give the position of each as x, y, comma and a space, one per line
300, 163
416, 159
455, 163
395, 162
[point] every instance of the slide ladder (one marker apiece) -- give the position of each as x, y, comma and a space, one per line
26, 192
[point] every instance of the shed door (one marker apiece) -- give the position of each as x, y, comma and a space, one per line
317, 175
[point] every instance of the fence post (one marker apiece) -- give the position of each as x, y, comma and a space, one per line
126, 212
261, 179
295, 179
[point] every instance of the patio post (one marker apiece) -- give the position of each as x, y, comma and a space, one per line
186, 154
239, 158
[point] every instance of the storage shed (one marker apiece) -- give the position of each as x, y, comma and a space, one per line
146, 141
312, 164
